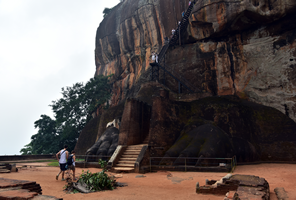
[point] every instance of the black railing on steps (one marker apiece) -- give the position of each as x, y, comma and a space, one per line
155, 66
180, 83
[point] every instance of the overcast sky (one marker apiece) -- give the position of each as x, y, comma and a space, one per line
44, 45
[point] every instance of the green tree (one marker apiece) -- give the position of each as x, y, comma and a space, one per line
71, 113
46, 139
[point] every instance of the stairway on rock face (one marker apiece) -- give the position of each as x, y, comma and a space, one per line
181, 27
127, 160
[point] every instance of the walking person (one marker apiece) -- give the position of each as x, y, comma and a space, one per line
71, 163
62, 161
156, 58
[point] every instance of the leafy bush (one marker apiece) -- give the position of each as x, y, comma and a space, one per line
97, 181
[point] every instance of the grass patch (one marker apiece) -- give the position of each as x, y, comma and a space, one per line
53, 164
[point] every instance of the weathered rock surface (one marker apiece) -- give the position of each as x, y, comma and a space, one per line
209, 141
106, 144
221, 127
243, 47
96, 128
245, 186
128, 35
238, 48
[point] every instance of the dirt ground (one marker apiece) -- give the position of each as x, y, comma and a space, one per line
158, 185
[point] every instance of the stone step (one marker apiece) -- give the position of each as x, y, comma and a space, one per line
131, 153
129, 156
4, 171
128, 159
136, 146
125, 165
133, 150
125, 162
123, 169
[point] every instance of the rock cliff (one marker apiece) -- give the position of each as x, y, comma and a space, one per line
231, 47
240, 52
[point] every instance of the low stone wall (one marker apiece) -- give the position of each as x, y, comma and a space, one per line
25, 157
21, 190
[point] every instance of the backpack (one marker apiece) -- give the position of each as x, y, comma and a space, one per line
70, 160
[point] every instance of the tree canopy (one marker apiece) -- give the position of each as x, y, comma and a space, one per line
71, 113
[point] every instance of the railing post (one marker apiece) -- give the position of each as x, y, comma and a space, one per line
150, 163
185, 165
164, 70
180, 34
179, 87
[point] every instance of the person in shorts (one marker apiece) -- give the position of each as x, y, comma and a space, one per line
63, 154
71, 163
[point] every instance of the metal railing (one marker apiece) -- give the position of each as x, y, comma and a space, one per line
193, 163
176, 75
91, 158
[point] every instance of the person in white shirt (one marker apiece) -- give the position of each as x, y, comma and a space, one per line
64, 154
153, 57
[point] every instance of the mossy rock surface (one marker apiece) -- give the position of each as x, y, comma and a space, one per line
250, 131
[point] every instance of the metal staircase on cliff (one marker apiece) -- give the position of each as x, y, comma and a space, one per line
175, 38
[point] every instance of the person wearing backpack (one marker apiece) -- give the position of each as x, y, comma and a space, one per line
62, 161
71, 163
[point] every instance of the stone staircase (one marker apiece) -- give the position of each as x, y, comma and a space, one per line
127, 160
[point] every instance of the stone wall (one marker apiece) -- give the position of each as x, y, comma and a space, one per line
135, 122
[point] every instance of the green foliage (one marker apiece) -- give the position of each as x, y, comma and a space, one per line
53, 164
97, 181
45, 137
103, 164
71, 113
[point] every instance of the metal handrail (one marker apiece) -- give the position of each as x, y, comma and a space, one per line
184, 22
232, 161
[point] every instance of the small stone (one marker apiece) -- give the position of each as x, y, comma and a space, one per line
140, 176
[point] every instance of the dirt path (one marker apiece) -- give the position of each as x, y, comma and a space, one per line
178, 185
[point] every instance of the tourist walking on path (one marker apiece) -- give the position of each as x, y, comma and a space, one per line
62, 161
156, 58
183, 14
189, 3
71, 163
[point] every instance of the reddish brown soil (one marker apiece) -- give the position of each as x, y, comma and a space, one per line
160, 185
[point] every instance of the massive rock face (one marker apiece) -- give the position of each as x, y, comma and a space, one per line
242, 52
244, 47
128, 35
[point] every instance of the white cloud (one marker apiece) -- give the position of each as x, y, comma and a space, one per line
45, 45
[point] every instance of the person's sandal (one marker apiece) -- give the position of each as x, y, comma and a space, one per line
63, 179
57, 177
